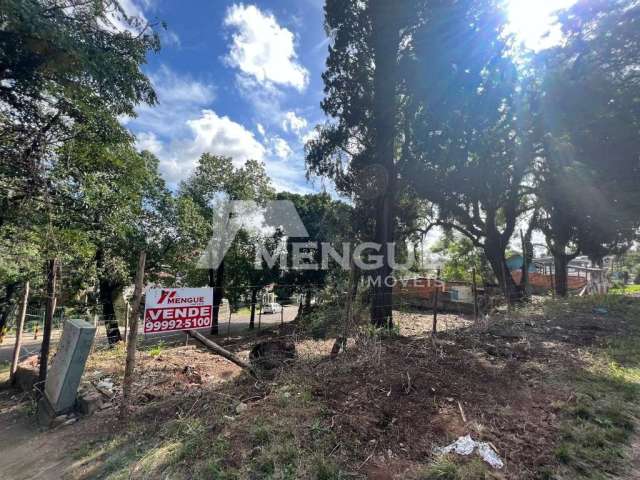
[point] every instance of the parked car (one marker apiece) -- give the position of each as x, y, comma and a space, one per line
271, 308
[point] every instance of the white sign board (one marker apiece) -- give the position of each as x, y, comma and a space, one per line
173, 309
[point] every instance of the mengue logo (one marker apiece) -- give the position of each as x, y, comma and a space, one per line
171, 298
281, 216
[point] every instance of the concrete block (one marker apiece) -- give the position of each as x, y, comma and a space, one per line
89, 402
25, 378
63, 378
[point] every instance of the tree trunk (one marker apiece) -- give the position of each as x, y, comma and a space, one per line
501, 271
52, 277
300, 312
107, 293
218, 293
254, 299
130, 362
561, 267
214, 347
10, 289
386, 37
526, 261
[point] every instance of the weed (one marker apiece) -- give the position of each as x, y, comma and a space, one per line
157, 349
324, 469
446, 468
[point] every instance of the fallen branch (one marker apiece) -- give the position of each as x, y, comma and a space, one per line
214, 347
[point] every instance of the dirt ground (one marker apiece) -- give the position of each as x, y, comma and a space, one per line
376, 411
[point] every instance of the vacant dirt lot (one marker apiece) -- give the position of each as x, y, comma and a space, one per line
551, 387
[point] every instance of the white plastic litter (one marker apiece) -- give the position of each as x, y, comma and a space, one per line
106, 384
466, 446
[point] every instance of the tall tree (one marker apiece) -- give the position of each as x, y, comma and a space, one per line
214, 182
588, 169
68, 69
115, 198
467, 126
358, 147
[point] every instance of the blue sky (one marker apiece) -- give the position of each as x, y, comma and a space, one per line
236, 79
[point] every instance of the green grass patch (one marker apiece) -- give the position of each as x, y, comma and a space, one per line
626, 290
598, 421
157, 349
449, 468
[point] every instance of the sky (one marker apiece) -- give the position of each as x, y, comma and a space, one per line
244, 80
235, 79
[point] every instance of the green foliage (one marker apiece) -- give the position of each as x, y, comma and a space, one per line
587, 87
460, 258
157, 349
626, 290
326, 221
68, 72
214, 182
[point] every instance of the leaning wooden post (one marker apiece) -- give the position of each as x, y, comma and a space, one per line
475, 296
435, 303
52, 277
130, 364
19, 328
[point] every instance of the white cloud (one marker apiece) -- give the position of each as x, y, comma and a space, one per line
262, 49
293, 123
169, 38
281, 148
173, 88
223, 136
310, 135
149, 141
180, 98
207, 132
260, 129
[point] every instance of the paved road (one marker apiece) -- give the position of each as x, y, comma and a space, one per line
239, 323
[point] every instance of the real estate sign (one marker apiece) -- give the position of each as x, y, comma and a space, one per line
173, 309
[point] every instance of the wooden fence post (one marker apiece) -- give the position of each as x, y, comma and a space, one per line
52, 277
19, 328
475, 296
130, 364
435, 303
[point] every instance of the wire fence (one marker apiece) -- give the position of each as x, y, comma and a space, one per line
319, 311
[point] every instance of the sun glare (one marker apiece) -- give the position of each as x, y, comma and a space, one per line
533, 22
